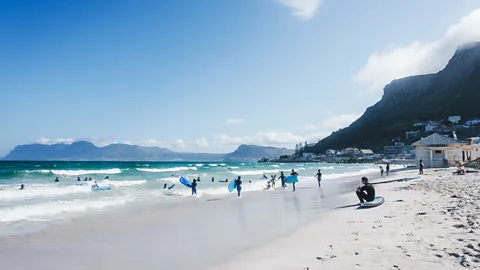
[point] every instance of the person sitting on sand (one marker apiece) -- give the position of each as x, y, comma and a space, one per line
194, 187
319, 177
366, 192
57, 180
22, 187
460, 170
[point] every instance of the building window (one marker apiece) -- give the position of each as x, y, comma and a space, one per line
438, 151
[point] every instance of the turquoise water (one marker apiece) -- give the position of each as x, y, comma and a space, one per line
132, 183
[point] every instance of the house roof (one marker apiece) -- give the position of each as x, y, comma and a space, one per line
366, 151
437, 139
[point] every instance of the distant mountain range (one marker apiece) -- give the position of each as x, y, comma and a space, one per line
454, 91
87, 151
255, 152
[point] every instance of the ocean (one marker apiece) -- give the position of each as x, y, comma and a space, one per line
133, 185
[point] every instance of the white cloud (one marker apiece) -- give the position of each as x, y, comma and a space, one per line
44, 140
178, 144
235, 121
202, 142
339, 121
303, 9
274, 138
310, 127
418, 57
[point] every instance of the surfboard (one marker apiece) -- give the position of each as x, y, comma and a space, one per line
101, 188
222, 181
291, 179
378, 201
170, 187
185, 181
231, 186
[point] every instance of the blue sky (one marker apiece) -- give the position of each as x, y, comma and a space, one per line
205, 76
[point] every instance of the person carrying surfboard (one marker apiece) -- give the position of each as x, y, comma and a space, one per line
319, 177
238, 185
294, 173
194, 187
366, 192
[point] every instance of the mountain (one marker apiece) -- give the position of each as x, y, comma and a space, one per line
255, 152
453, 91
83, 150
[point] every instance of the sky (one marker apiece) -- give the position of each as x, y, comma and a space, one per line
206, 76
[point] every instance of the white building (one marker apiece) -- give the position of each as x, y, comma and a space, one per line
439, 151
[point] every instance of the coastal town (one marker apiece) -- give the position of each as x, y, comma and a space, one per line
433, 142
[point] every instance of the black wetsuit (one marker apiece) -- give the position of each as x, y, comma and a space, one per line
421, 167
282, 177
194, 187
366, 193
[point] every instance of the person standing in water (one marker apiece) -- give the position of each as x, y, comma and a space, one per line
421, 167
238, 186
57, 180
78, 179
194, 187
319, 177
213, 179
22, 187
387, 168
366, 192
294, 173
282, 178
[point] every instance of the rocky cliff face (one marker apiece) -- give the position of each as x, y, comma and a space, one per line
455, 90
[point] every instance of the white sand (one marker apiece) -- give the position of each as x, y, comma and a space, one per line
435, 227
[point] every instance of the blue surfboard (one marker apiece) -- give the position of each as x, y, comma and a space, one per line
378, 201
291, 179
101, 188
170, 187
231, 186
185, 181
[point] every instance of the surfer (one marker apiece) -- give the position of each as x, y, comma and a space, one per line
366, 192
282, 178
165, 186
106, 178
294, 173
238, 185
86, 179
421, 167
213, 179
78, 179
319, 177
22, 187
57, 180
90, 179
95, 185
388, 168
198, 179
194, 187
264, 176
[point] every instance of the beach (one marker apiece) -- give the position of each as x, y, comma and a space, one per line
428, 223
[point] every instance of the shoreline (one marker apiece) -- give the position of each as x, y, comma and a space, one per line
207, 230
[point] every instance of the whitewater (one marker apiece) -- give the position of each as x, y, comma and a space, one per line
133, 185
